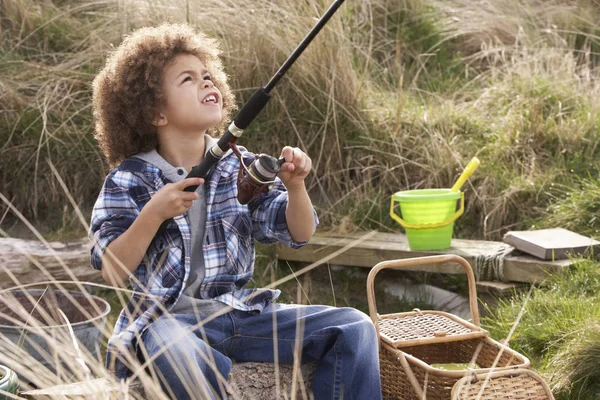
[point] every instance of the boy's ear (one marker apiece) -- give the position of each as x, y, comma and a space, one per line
159, 119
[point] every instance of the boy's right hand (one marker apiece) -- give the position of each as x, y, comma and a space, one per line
171, 200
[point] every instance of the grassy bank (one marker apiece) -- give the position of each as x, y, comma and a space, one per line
387, 98
559, 330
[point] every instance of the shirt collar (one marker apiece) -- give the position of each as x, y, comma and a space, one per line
174, 174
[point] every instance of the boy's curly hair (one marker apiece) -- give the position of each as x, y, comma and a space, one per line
127, 91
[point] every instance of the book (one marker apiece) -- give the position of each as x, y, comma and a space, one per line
551, 244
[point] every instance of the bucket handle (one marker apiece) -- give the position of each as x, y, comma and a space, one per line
409, 262
407, 225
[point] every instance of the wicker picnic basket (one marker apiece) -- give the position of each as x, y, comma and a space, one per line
411, 341
519, 384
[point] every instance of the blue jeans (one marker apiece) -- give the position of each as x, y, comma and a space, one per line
342, 342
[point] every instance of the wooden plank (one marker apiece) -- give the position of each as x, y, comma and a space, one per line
23, 258
390, 246
525, 268
499, 288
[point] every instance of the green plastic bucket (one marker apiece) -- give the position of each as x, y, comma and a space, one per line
428, 216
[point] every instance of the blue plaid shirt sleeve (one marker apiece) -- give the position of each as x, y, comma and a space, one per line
113, 213
269, 224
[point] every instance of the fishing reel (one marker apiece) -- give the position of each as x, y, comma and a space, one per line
256, 174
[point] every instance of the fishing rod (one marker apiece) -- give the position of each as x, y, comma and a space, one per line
264, 169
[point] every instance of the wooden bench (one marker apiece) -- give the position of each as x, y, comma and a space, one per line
517, 267
30, 261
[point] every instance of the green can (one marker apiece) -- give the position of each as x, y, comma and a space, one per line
9, 382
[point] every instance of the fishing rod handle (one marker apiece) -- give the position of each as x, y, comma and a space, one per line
203, 169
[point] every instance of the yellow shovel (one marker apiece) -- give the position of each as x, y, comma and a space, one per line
471, 167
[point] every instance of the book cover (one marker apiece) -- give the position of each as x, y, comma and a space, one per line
551, 244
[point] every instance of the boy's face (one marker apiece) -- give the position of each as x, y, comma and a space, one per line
192, 103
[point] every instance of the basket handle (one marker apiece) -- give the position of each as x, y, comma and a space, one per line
410, 375
409, 262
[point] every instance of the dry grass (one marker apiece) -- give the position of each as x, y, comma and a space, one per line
574, 365
559, 329
385, 99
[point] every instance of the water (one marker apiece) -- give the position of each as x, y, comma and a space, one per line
440, 299
400, 286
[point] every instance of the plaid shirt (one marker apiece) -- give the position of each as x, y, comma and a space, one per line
163, 273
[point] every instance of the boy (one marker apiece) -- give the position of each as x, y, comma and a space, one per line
159, 94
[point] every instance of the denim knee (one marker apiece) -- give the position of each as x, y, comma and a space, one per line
165, 333
172, 346
187, 364
358, 322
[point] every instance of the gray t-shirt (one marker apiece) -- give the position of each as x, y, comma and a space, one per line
190, 301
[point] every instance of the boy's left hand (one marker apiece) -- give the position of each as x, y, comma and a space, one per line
296, 167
